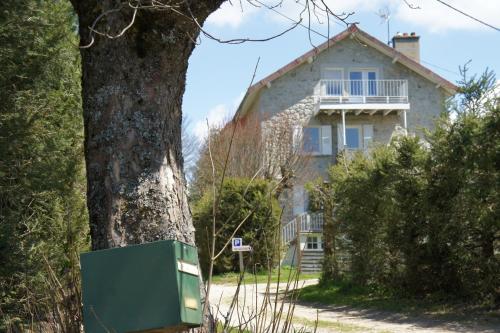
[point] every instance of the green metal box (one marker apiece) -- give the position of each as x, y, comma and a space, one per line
147, 287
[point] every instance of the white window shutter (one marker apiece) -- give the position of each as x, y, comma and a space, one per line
326, 140
298, 200
340, 144
367, 135
297, 137
305, 200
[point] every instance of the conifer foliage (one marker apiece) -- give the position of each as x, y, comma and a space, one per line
246, 209
43, 218
423, 217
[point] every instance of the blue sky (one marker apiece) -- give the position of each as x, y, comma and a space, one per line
219, 74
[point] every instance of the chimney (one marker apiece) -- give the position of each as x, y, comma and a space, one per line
408, 44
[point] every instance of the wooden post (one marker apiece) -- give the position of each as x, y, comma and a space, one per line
242, 267
297, 242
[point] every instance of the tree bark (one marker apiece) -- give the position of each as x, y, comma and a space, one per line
132, 89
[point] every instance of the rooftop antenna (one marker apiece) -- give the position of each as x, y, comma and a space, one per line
385, 16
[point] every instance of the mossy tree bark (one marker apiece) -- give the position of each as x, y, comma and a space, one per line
132, 89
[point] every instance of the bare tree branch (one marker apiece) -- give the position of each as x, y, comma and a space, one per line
313, 8
411, 5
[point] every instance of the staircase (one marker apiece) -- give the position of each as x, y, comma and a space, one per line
303, 223
311, 261
295, 234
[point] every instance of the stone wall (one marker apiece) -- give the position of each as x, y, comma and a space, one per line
291, 98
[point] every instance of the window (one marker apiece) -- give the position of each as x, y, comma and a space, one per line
356, 136
334, 88
312, 243
352, 137
363, 82
332, 78
314, 140
372, 84
300, 200
356, 83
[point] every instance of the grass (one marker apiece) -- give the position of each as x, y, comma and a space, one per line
347, 294
307, 327
262, 277
337, 326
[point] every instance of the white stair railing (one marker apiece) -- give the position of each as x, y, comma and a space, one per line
303, 223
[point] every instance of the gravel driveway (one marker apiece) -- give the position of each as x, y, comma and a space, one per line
336, 318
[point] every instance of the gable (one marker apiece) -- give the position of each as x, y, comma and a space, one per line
351, 48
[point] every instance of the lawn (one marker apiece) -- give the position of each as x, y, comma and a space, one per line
347, 294
262, 277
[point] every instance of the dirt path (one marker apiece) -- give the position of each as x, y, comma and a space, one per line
344, 319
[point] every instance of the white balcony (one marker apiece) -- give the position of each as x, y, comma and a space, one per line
303, 223
363, 95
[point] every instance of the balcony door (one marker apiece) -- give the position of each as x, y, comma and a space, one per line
363, 82
332, 81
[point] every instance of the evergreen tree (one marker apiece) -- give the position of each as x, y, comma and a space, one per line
423, 219
43, 219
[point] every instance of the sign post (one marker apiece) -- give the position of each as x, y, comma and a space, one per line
237, 246
240, 255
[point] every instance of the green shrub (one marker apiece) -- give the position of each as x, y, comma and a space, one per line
424, 219
238, 200
42, 175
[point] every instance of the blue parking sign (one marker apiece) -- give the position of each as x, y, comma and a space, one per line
237, 242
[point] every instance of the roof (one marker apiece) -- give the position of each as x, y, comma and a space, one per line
362, 36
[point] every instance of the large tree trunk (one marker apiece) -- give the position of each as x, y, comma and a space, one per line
132, 89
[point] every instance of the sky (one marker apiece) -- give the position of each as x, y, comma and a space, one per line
219, 74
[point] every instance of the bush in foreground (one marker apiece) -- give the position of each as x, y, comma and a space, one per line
423, 219
239, 200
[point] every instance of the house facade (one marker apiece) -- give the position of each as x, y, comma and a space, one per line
347, 94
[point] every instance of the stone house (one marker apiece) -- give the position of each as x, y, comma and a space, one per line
349, 93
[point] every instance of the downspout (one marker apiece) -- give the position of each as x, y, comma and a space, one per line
343, 130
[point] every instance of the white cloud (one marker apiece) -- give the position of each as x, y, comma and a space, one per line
216, 116
432, 15
293, 9
437, 17
232, 14
237, 100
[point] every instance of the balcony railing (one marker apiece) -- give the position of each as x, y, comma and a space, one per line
364, 91
303, 223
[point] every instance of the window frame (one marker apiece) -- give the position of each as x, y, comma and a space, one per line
323, 151
341, 88
365, 90
304, 140
313, 240
360, 137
